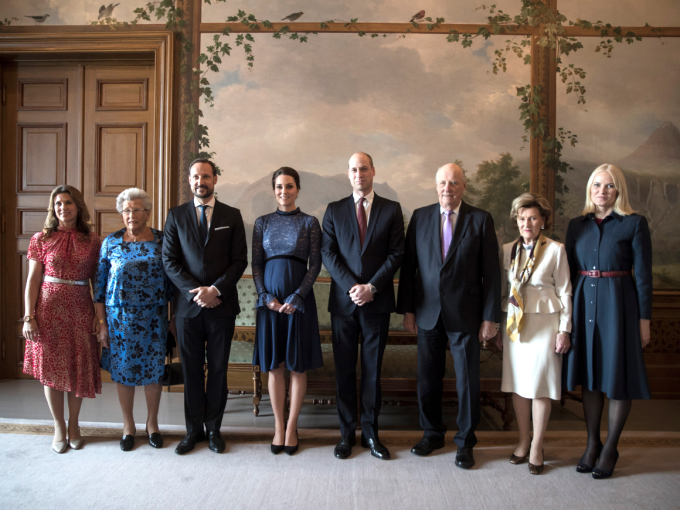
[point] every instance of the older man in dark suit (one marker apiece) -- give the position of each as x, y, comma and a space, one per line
204, 254
449, 291
363, 244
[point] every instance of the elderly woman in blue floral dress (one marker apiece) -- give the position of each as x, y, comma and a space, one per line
132, 294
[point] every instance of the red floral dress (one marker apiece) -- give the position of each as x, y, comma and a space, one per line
65, 355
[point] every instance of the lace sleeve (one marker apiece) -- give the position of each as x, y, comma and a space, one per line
263, 297
314, 233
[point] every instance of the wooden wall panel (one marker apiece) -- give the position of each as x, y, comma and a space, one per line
108, 221
122, 95
41, 157
21, 350
22, 272
120, 157
43, 94
29, 221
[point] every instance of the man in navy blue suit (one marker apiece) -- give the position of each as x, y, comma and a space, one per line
449, 292
363, 245
204, 254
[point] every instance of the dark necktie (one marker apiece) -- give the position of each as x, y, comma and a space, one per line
203, 224
361, 219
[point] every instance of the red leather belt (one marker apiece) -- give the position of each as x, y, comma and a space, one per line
605, 274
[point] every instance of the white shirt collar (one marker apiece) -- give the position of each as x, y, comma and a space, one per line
456, 210
209, 204
369, 197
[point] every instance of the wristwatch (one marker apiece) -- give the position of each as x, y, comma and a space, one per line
29, 318
372, 288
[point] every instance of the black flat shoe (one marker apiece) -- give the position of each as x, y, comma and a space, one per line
464, 458
155, 439
378, 449
215, 442
188, 442
537, 469
344, 448
277, 448
582, 467
599, 474
128, 442
290, 450
514, 459
426, 446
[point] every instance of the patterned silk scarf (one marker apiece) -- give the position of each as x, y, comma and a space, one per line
517, 281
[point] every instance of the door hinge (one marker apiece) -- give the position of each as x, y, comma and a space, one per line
3, 223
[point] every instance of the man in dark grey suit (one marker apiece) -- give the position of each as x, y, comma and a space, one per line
204, 254
449, 291
362, 248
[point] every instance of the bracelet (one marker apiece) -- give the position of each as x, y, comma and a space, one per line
566, 333
101, 321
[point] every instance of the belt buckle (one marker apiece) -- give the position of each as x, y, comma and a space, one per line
595, 273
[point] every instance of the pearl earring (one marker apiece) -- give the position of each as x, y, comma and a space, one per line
542, 227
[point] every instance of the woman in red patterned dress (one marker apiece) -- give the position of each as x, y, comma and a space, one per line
60, 324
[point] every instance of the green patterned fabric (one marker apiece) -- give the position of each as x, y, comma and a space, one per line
241, 352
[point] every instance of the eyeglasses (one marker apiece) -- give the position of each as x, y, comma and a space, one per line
128, 212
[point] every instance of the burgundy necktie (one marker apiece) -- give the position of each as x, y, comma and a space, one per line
361, 219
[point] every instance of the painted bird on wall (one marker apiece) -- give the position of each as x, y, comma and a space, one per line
107, 12
39, 19
293, 17
418, 17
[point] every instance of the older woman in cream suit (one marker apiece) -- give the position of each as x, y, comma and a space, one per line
536, 294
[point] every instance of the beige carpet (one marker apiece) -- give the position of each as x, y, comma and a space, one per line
248, 476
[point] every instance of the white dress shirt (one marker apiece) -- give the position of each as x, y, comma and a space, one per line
367, 204
208, 211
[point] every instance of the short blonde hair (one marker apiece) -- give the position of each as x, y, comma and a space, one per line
529, 200
622, 205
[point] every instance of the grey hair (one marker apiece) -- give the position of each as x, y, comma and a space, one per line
133, 194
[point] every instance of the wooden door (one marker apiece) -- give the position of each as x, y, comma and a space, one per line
88, 126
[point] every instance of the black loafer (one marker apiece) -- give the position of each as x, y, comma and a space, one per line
215, 442
426, 446
464, 458
189, 442
155, 439
127, 443
378, 449
344, 448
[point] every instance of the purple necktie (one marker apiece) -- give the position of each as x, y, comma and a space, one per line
447, 234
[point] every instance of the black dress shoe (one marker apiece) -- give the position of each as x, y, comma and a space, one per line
127, 443
464, 458
582, 467
290, 450
189, 442
599, 474
426, 446
344, 448
277, 448
215, 441
377, 448
537, 469
155, 439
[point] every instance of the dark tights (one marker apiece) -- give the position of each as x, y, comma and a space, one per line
593, 404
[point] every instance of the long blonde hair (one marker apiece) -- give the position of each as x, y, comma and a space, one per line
83, 220
622, 205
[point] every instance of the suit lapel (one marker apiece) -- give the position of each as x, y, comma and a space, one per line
436, 230
461, 225
352, 216
216, 215
193, 221
372, 220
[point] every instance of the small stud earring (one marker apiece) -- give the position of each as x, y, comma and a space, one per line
542, 227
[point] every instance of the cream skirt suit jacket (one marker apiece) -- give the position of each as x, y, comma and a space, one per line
531, 368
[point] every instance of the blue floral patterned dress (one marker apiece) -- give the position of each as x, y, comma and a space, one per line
132, 282
283, 242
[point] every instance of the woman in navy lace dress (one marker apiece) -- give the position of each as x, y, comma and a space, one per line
287, 324
132, 294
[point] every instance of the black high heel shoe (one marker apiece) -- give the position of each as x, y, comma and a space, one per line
582, 467
290, 450
599, 474
514, 459
537, 469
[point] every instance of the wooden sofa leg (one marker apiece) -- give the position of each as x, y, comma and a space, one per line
257, 389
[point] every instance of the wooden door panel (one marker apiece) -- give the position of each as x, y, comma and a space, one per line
108, 221
42, 94
120, 158
42, 157
29, 221
122, 95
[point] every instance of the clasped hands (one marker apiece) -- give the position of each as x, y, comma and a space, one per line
206, 297
281, 308
361, 294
